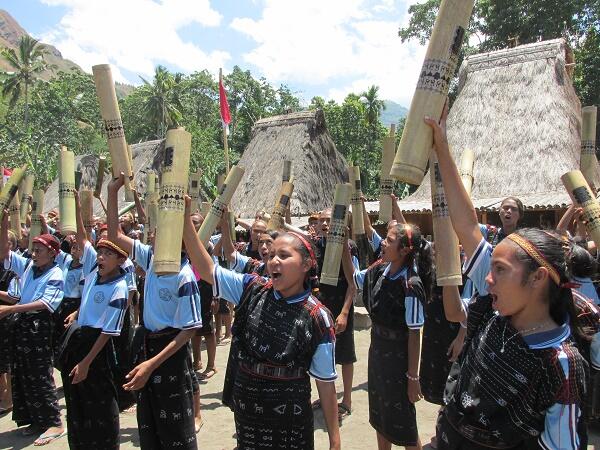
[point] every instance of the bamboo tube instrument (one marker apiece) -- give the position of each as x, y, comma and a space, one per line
37, 208
432, 89
66, 191
582, 195
466, 169
100, 176
213, 217
171, 205
336, 235
589, 161
26, 192
386, 182
287, 171
150, 204
14, 211
9, 190
86, 198
195, 189
283, 199
113, 126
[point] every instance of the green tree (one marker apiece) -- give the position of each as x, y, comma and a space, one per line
27, 63
373, 106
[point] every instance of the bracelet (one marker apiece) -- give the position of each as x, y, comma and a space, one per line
411, 378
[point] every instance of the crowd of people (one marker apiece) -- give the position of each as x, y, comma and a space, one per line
510, 356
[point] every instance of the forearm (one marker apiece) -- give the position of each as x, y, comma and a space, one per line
347, 265
112, 221
329, 405
565, 220
81, 235
246, 224
453, 307
139, 207
6, 298
397, 212
349, 299
369, 230
200, 258
294, 229
180, 340
38, 305
414, 352
4, 247
98, 345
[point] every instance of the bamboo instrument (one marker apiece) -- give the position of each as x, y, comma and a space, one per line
37, 208
287, 171
582, 195
358, 225
66, 191
100, 176
26, 191
432, 89
9, 190
195, 189
113, 126
386, 182
281, 204
466, 169
336, 235
447, 254
205, 209
171, 204
78, 176
589, 161
226, 191
86, 198
150, 204
14, 211
125, 209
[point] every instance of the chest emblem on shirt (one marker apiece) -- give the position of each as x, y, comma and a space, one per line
165, 295
99, 297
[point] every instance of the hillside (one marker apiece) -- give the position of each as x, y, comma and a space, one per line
392, 113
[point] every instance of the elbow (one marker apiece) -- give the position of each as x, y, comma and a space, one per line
455, 316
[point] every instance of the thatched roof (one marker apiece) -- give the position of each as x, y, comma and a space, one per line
146, 155
517, 110
316, 164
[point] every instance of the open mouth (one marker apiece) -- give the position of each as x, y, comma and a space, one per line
276, 275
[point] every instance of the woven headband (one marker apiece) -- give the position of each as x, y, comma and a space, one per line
112, 246
307, 245
532, 251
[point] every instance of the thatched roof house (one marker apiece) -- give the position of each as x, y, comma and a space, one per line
316, 164
517, 110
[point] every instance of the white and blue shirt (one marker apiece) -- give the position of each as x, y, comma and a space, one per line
586, 287
73, 281
103, 304
240, 262
34, 285
169, 300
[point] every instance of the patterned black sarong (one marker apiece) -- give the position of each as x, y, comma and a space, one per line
33, 389
92, 411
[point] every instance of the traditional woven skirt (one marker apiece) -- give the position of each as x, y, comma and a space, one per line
438, 334
121, 361
6, 331
34, 393
273, 414
165, 409
92, 411
333, 298
67, 306
390, 411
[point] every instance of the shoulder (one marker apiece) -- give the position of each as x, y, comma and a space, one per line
588, 314
567, 370
319, 312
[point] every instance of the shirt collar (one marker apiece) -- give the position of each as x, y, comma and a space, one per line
293, 299
548, 338
403, 272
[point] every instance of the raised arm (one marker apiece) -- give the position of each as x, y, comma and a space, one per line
397, 211
4, 245
227, 249
112, 216
460, 207
139, 207
198, 255
453, 306
81, 236
245, 224
369, 230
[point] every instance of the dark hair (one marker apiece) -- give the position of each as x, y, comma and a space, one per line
421, 254
65, 246
581, 263
274, 234
519, 203
560, 298
311, 280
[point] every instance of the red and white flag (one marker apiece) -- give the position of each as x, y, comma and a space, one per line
225, 115
6, 175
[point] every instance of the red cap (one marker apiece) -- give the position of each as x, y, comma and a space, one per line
48, 241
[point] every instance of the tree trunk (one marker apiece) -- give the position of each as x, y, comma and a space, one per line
26, 107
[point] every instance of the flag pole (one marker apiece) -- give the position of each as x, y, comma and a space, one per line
225, 146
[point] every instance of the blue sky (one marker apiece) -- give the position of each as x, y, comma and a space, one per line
316, 47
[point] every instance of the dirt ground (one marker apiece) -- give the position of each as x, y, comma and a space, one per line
218, 431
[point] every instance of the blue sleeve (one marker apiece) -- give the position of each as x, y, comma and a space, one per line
88, 260
114, 314
355, 263
414, 315
230, 285
478, 266
188, 314
322, 366
14, 288
16, 263
240, 262
53, 290
129, 269
484, 230
375, 241
595, 351
142, 254
359, 278
51, 230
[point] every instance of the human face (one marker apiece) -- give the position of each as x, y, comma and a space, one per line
505, 280
286, 266
41, 255
390, 251
108, 262
24, 241
265, 242
323, 223
76, 251
103, 234
509, 214
197, 221
258, 228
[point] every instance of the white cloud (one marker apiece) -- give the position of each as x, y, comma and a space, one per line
318, 42
134, 35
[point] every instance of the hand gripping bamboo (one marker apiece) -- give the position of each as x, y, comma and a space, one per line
66, 191
589, 161
447, 255
466, 169
14, 210
281, 204
86, 198
336, 235
171, 204
113, 126
386, 182
10, 188
26, 191
582, 195
432, 89
37, 208
212, 219
100, 176
287, 171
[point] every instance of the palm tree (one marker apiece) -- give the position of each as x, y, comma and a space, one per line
27, 62
373, 107
162, 102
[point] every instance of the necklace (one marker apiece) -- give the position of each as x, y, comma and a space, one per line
529, 330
